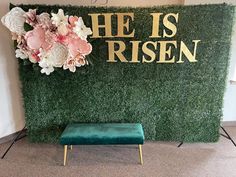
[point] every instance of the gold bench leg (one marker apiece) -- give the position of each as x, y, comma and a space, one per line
65, 154
140, 154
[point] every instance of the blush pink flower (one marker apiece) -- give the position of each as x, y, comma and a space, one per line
70, 64
44, 20
62, 39
62, 29
78, 46
78, 61
31, 17
72, 20
34, 57
35, 38
50, 38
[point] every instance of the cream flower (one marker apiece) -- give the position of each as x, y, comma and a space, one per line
73, 62
14, 20
14, 36
81, 30
80, 60
59, 18
70, 64
47, 68
20, 54
45, 63
58, 54
62, 29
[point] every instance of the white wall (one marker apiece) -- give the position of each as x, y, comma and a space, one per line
229, 109
11, 109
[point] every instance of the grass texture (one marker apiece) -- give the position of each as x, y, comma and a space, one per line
174, 102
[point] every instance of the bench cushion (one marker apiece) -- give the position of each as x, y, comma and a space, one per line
102, 133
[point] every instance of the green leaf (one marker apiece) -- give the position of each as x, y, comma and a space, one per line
15, 44
27, 27
26, 62
11, 6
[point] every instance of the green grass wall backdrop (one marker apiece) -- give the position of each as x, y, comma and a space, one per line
174, 102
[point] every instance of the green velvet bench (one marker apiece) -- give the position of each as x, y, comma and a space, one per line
102, 134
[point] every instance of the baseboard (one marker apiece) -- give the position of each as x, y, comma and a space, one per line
228, 123
9, 137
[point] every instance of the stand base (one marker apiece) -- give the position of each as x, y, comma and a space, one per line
180, 144
226, 136
18, 137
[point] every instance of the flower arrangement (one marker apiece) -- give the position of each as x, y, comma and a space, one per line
52, 41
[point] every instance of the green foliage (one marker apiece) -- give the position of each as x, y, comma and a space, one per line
174, 102
11, 6
28, 27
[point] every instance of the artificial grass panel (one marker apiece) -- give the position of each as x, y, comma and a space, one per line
174, 102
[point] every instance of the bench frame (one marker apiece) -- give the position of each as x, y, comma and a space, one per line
66, 146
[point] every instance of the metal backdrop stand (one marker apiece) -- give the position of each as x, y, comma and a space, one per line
180, 144
18, 137
226, 136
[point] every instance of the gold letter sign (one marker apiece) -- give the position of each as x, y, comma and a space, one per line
158, 50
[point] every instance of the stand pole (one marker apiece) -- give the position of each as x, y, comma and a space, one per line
13, 141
